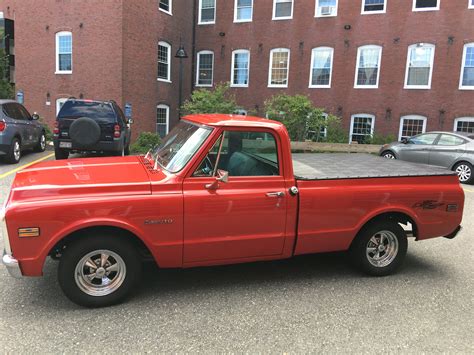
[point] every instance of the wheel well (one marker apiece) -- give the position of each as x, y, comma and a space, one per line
388, 151
146, 254
460, 162
398, 217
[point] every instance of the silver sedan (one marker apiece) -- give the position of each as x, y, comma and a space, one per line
450, 150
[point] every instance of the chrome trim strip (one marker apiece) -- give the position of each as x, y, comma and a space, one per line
4, 231
12, 265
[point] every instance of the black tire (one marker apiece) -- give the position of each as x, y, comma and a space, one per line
84, 133
464, 171
94, 244
127, 150
364, 251
14, 154
41, 145
61, 154
388, 154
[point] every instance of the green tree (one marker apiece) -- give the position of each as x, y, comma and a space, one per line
334, 131
6, 89
145, 142
218, 100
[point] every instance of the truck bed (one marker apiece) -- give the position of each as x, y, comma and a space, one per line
310, 166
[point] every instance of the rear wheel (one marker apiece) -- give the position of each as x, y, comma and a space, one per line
61, 154
380, 248
464, 171
388, 154
41, 145
127, 150
14, 154
99, 270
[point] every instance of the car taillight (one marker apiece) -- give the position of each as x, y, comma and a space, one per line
56, 128
3, 125
117, 131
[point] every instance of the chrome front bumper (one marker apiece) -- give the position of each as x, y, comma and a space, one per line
12, 265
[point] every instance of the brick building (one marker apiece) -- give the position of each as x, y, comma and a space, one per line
385, 66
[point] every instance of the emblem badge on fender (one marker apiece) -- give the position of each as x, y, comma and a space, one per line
159, 221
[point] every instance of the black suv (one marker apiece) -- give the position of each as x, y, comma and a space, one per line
91, 126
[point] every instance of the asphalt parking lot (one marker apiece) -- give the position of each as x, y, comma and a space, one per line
307, 304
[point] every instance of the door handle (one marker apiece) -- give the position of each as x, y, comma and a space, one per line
278, 194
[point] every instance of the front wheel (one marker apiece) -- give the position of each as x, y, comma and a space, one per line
99, 271
388, 155
380, 248
464, 171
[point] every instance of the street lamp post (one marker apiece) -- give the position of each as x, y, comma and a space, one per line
180, 54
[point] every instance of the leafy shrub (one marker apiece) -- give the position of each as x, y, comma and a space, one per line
47, 130
145, 142
217, 100
381, 139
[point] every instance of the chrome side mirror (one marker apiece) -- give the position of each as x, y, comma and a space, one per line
405, 140
222, 176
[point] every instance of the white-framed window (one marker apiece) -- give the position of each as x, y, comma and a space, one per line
419, 70
164, 61
207, 12
362, 128
205, 68
321, 67
470, 4
282, 9
464, 124
368, 67
467, 68
166, 6
64, 52
426, 5
411, 125
240, 68
59, 103
162, 120
243, 10
279, 68
374, 6
326, 8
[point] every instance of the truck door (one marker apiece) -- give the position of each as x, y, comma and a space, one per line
244, 217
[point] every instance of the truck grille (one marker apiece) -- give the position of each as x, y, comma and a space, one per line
4, 232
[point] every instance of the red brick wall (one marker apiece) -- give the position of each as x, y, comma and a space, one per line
305, 32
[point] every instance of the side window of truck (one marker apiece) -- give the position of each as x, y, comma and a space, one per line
242, 154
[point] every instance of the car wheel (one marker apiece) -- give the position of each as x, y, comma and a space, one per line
127, 150
14, 154
388, 154
380, 248
61, 154
99, 270
464, 171
41, 146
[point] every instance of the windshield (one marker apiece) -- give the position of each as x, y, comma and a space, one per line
180, 145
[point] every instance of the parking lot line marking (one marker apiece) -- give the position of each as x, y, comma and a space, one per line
25, 166
468, 190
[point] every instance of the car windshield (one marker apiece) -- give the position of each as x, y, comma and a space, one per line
99, 110
180, 145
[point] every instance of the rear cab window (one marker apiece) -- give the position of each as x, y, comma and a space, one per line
99, 111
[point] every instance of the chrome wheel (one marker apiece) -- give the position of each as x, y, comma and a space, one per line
388, 155
43, 142
100, 273
382, 248
16, 150
464, 172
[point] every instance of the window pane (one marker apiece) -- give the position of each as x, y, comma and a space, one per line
65, 44
368, 66
411, 127
65, 52
468, 74
420, 66
447, 139
241, 69
465, 126
426, 139
165, 5
244, 9
361, 129
321, 67
327, 3
163, 52
283, 8
205, 68
420, 4
374, 5
279, 68
65, 62
207, 10
161, 121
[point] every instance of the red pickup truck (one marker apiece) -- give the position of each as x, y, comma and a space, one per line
218, 190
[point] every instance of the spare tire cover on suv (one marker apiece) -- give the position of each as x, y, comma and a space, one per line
84, 132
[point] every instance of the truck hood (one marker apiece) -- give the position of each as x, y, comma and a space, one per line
87, 177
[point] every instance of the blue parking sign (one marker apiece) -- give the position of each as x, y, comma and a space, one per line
20, 96
128, 110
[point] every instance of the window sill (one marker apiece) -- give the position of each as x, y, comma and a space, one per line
68, 72
426, 9
282, 18
373, 12
417, 87
466, 88
207, 23
239, 85
319, 86
277, 86
366, 87
242, 21
166, 12
323, 16
204, 86
164, 80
